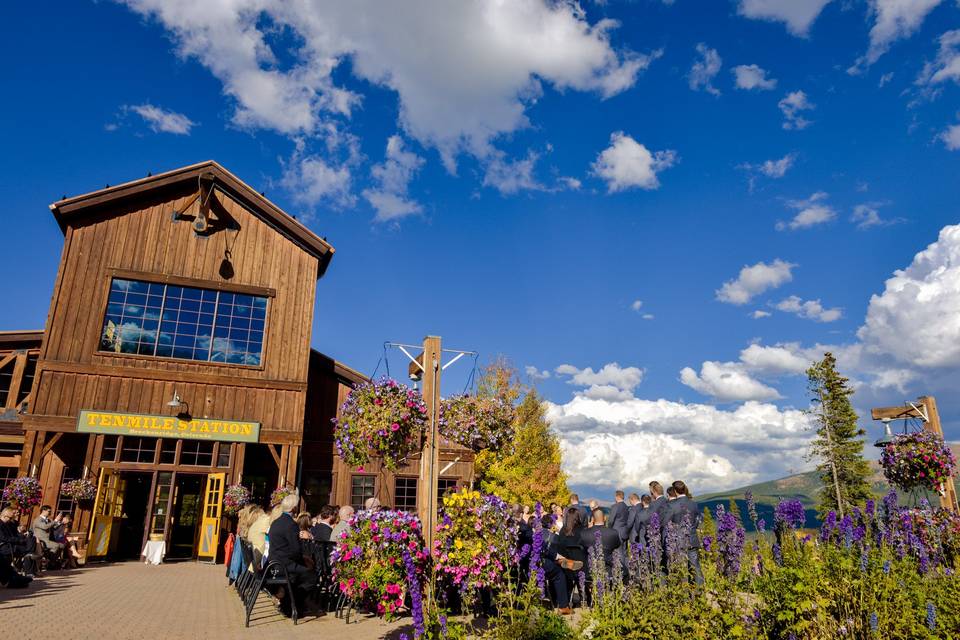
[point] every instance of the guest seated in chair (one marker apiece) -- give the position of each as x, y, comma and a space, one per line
60, 534
13, 545
285, 535
43, 528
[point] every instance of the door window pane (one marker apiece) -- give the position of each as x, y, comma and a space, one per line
361, 488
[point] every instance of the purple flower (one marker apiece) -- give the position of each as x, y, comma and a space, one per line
931, 616
751, 507
416, 595
790, 513
777, 554
730, 538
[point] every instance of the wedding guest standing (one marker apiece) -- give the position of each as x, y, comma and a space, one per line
619, 514
685, 514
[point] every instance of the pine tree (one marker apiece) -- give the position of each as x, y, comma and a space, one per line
838, 445
735, 510
708, 527
531, 472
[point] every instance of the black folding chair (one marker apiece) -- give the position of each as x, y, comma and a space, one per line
272, 575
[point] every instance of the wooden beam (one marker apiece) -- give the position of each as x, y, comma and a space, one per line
273, 452
30, 437
227, 378
284, 479
895, 413
47, 447
17, 380
7, 359
429, 460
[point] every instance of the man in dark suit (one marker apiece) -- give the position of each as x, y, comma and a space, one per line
285, 549
585, 515
659, 501
684, 514
323, 527
641, 517
609, 539
619, 514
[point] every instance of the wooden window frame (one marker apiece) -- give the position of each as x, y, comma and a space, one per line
179, 281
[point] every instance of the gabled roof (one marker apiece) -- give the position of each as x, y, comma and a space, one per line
68, 210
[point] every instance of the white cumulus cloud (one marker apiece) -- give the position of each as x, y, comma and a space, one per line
163, 120
810, 309
754, 280
727, 382
392, 177
916, 319
947, 64
798, 15
463, 72
792, 106
777, 359
612, 382
627, 444
705, 69
750, 76
893, 20
536, 374
810, 212
626, 164
867, 215
951, 137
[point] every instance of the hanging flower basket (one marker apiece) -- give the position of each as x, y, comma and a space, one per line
918, 461
279, 494
82, 490
236, 497
380, 559
477, 423
23, 494
380, 419
476, 541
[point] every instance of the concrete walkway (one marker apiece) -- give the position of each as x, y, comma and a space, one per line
174, 601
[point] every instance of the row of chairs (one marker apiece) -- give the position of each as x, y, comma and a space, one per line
270, 575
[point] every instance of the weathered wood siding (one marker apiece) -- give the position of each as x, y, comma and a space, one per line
142, 238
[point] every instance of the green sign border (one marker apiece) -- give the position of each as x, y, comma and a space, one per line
155, 426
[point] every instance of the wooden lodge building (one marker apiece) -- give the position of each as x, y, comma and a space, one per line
176, 361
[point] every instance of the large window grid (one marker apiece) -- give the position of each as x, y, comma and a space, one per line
138, 449
405, 494
168, 321
197, 453
361, 488
65, 504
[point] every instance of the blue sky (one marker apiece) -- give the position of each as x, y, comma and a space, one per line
516, 177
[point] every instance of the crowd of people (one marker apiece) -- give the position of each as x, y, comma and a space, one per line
24, 550
574, 530
289, 537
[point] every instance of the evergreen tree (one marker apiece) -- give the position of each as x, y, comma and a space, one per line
735, 510
532, 471
838, 445
708, 527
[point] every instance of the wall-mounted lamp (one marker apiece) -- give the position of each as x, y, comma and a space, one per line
887, 436
176, 402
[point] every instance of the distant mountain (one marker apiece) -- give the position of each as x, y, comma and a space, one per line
801, 486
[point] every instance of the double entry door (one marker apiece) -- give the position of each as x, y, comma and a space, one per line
184, 511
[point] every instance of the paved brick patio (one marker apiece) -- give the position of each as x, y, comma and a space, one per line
131, 600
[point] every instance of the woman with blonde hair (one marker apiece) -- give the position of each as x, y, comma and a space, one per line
257, 532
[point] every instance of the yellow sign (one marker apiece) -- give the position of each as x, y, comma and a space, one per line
167, 426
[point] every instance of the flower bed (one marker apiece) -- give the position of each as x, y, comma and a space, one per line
382, 419
918, 461
236, 497
23, 494
477, 423
380, 559
476, 540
